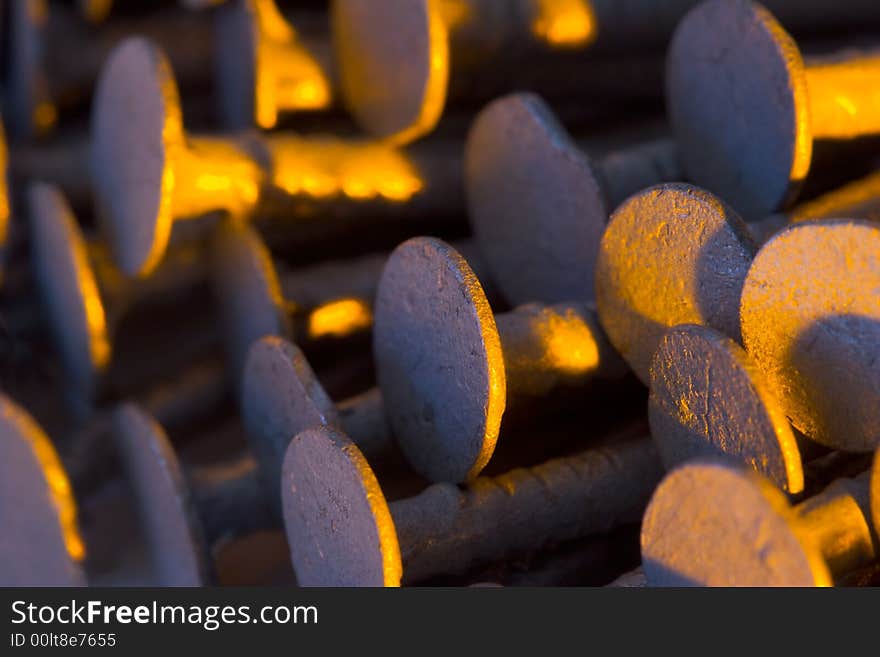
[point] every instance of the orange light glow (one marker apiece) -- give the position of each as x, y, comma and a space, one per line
60, 491
95, 315
544, 346
233, 179
844, 97
569, 344
288, 77
340, 318
322, 168
565, 23
201, 175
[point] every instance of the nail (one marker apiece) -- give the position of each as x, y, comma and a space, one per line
425, 50
83, 296
447, 367
329, 301
709, 398
342, 532
184, 514
671, 254
525, 176
722, 524
281, 397
139, 146
746, 106
817, 344
248, 288
41, 542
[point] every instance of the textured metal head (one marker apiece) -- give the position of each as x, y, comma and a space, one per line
40, 543
811, 320
280, 397
438, 360
69, 293
169, 522
708, 398
535, 202
737, 99
671, 254
137, 134
247, 290
339, 526
717, 523
403, 44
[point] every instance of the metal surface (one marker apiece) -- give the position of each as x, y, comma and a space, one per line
526, 177
39, 544
81, 295
281, 397
446, 366
671, 254
811, 321
342, 532
183, 514
167, 512
149, 173
708, 398
69, 292
721, 524
743, 107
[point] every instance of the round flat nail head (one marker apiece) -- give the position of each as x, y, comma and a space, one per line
671, 254
709, 399
403, 44
720, 524
171, 526
136, 124
39, 544
737, 98
281, 397
535, 202
338, 523
71, 298
811, 320
438, 360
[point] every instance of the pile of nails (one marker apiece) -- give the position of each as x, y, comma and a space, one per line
382, 293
